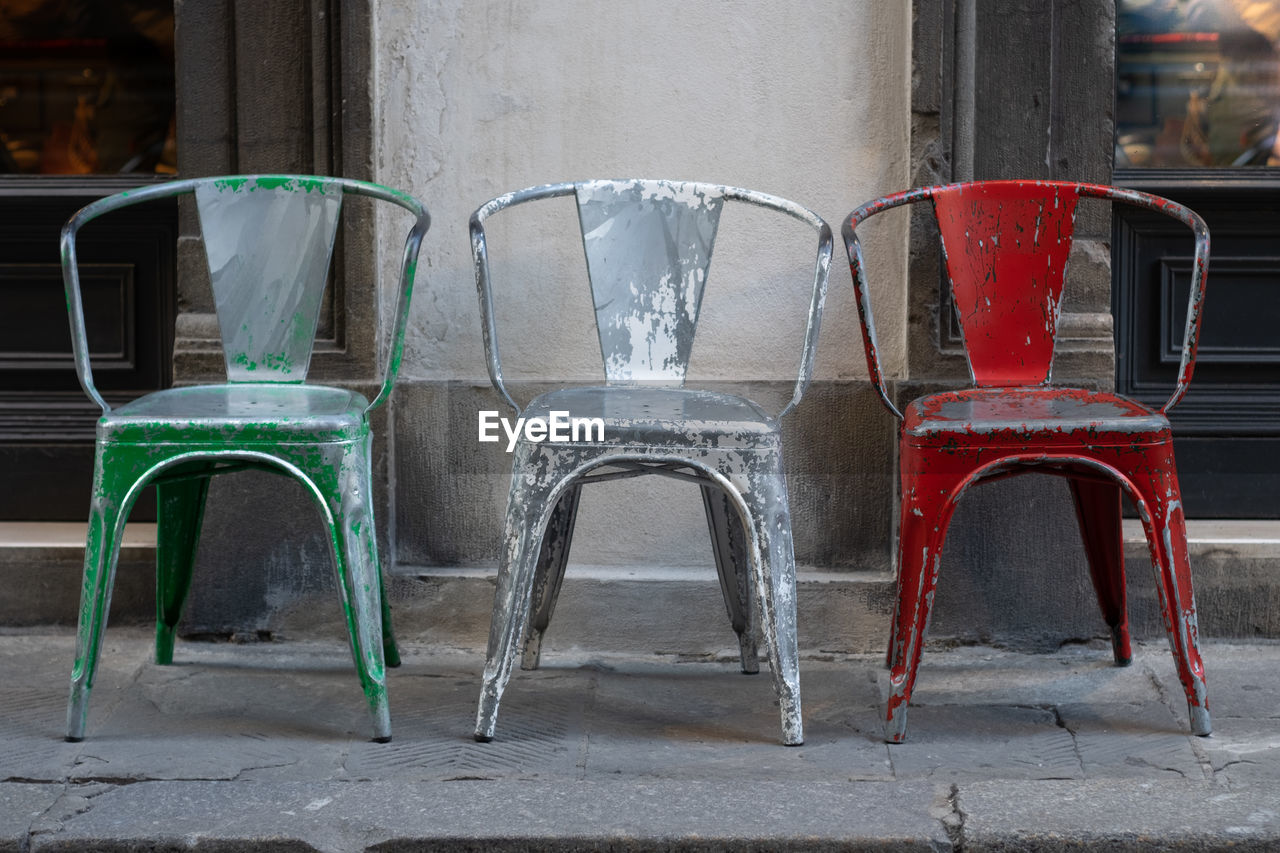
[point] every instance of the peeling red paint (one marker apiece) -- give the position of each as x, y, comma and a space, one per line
1006, 250
1006, 245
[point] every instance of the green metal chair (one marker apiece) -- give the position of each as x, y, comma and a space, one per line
269, 239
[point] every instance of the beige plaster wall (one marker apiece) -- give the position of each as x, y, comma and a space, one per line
807, 101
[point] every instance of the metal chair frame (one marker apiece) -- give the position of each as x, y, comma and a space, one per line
265, 417
1013, 421
725, 444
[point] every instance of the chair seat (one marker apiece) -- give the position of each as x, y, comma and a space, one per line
243, 412
1039, 415
645, 416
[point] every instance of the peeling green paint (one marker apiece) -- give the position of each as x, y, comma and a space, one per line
233, 184
178, 438
279, 362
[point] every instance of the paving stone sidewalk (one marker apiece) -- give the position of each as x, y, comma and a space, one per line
265, 746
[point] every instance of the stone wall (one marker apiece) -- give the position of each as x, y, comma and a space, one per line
477, 99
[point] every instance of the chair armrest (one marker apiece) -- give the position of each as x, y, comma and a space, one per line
408, 270
1199, 273
71, 270
861, 292
480, 257
821, 272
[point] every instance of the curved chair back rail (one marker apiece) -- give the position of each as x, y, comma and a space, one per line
647, 289
648, 247
978, 268
244, 205
269, 241
1006, 246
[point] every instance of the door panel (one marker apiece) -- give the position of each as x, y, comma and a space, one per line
127, 277
1227, 428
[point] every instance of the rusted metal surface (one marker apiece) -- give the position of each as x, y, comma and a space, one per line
648, 246
1006, 245
268, 239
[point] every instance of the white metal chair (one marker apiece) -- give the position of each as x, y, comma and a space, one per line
648, 246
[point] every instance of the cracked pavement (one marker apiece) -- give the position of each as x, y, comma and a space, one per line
266, 745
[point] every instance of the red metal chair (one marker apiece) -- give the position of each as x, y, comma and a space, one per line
1006, 245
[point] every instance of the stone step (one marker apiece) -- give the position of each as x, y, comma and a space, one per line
647, 609
41, 566
266, 747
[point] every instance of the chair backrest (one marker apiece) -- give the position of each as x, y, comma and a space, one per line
1006, 246
268, 246
269, 241
648, 246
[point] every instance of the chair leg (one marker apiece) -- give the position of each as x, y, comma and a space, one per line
1098, 511
553, 557
344, 477
179, 514
1157, 485
729, 545
390, 649
774, 568
102, 548
926, 512
529, 502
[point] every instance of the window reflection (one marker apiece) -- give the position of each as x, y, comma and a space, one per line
1197, 83
86, 86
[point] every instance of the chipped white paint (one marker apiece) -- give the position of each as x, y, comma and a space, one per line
726, 444
744, 466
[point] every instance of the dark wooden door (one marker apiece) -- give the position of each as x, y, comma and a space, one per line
1227, 429
1197, 109
87, 105
127, 280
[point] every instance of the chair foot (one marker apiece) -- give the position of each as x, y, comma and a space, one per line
70, 739
381, 716
390, 654
77, 712
748, 654
531, 657
164, 644
789, 702
792, 722
895, 727
1201, 725
1120, 645
487, 715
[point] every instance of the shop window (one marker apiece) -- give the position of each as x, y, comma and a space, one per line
1198, 83
87, 100
86, 87
1197, 107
